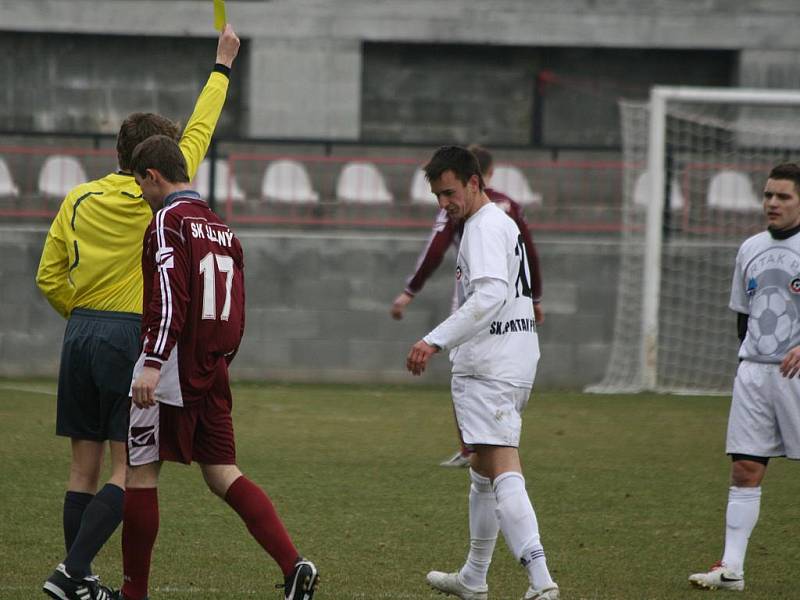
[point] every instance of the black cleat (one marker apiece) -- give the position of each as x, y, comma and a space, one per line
302, 583
63, 587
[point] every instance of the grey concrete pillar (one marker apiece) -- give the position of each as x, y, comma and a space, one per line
304, 88
775, 69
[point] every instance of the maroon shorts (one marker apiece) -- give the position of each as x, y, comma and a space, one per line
201, 431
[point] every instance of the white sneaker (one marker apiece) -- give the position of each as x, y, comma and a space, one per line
550, 593
457, 460
449, 583
719, 577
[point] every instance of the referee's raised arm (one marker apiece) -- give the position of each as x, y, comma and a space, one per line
196, 136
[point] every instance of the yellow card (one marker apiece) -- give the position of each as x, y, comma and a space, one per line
219, 15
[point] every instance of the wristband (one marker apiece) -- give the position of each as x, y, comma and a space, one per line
224, 69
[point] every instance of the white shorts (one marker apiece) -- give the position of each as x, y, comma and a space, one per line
765, 412
487, 411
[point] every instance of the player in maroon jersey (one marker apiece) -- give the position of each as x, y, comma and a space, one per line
191, 329
447, 232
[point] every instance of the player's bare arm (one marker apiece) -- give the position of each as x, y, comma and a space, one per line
145, 386
790, 366
228, 46
538, 313
418, 357
399, 305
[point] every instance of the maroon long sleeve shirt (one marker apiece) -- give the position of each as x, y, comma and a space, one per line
193, 269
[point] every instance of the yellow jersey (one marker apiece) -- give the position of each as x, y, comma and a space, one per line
92, 257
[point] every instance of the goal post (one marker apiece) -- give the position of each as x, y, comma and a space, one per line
690, 155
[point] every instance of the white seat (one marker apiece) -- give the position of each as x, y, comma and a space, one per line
8, 188
732, 190
513, 183
362, 182
287, 180
420, 192
224, 183
59, 174
641, 192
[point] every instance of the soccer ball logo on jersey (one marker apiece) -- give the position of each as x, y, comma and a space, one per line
794, 285
459, 273
772, 315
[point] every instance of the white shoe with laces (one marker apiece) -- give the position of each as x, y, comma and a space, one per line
719, 577
457, 460
449, 583
550, 593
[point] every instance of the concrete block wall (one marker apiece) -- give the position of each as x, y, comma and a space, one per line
304, 59
90, 83
431, 92
434, 92
29, 327
317, 308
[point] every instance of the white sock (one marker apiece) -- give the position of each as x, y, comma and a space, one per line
744, 504
520, 528
483, 528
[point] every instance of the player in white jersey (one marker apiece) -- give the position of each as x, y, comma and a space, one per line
764, 419
494, 350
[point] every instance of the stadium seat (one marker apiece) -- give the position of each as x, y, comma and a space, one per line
420, 192
512, 182
362, 182
59, 174
224, 183
8, 188
732, 190
287, 180
641, 192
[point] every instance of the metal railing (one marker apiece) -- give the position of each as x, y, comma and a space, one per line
315, 183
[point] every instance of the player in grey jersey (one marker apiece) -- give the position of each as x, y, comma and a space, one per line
764, 419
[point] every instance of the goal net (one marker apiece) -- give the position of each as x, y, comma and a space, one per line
696, 160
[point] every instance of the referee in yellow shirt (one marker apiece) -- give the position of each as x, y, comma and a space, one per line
91, 272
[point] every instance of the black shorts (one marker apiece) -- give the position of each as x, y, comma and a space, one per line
94, 380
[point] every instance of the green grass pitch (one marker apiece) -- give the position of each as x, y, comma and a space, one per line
630, 492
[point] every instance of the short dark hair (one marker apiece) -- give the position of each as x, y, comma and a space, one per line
162, 153
484, 157
457, 159
136, 128
788, 171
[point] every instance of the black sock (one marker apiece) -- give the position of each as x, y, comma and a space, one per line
100, 520
74, 505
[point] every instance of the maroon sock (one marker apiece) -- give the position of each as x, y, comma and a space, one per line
139, 531
264, 524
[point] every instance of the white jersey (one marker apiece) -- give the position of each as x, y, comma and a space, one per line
504, 345
766, 286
